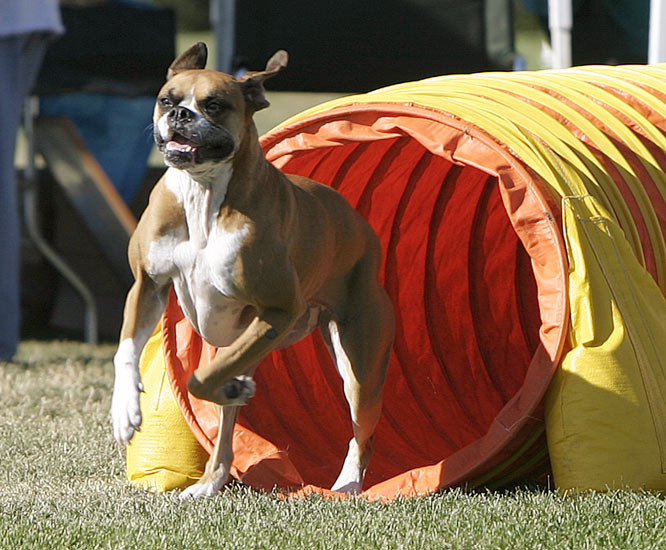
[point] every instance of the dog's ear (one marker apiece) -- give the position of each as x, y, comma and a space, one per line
252, 83
194, 57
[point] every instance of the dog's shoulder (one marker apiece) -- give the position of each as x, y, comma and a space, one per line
165, 205
163, 214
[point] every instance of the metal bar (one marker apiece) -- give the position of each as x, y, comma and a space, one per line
657, 43
223, 19
560, 22
30, 209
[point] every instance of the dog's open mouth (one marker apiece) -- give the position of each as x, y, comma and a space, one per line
180, 144
181, 151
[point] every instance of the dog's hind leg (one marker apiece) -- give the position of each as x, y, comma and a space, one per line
216, 473
360, 342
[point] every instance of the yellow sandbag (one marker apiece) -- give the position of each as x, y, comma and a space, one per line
164, 455
606, 407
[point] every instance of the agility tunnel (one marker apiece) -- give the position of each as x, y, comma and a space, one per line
522, 217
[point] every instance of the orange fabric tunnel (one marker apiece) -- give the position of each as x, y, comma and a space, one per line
468, 370
462, 177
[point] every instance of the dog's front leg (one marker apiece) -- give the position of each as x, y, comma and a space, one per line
221, 380
143, 307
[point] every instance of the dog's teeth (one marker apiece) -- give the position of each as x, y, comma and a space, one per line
182, 147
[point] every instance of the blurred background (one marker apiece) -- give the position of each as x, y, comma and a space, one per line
86, 159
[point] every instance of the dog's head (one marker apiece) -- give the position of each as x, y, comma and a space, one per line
201, 116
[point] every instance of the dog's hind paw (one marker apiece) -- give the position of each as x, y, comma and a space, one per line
206, 487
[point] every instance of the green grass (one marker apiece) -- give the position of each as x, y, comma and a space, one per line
62, 485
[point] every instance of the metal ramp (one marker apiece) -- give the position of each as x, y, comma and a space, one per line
90, 193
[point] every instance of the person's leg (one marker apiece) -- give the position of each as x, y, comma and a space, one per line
20, 57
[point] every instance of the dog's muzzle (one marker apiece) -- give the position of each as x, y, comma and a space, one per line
186, 139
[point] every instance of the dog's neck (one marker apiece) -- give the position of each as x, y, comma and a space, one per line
248, 153
200, 199
202, 190
210, 174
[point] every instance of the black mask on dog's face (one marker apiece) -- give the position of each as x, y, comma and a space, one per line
192, 130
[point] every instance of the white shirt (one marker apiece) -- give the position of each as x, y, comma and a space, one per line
28, 16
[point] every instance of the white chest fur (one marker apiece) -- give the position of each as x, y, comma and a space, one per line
199, 258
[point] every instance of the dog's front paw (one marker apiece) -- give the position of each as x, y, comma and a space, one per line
125, 408
238, 391
235, 392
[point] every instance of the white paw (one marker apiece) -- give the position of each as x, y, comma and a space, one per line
351, 488
125, 409
204, 488
350, 480
239, 390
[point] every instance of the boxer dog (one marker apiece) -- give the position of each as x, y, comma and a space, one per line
258, 260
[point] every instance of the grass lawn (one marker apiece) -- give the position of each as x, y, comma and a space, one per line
62, 485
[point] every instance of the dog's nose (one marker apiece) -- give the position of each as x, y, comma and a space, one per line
181, 114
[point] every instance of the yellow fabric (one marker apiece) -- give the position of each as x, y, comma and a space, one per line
164, 455
606, 407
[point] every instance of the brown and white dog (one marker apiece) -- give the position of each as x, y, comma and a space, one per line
258, 260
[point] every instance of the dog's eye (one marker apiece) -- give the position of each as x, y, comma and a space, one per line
214, 107
165, 102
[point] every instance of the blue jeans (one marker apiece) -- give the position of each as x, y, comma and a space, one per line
20, 58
